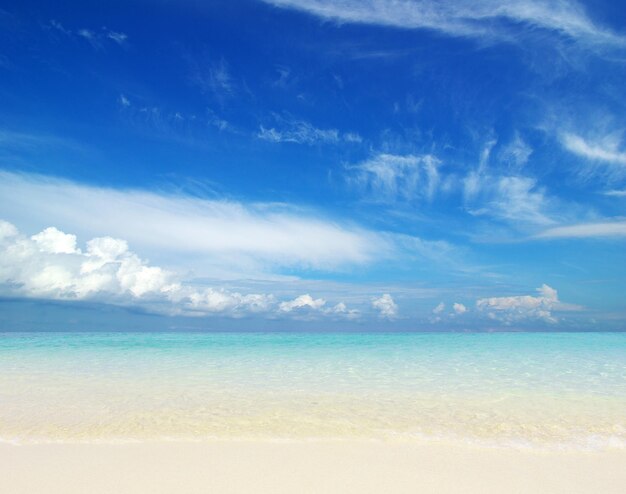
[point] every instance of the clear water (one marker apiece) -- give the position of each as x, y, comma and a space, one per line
564, 390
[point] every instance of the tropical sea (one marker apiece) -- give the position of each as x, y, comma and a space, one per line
546, 390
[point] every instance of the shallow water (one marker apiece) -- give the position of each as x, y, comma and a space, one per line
546, 389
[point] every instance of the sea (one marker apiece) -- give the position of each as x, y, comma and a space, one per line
523, 390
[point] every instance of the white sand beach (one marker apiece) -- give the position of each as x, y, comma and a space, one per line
304, 467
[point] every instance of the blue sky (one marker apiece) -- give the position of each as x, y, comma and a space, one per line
291, 164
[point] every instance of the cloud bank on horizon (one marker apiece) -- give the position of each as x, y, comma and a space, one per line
410, 164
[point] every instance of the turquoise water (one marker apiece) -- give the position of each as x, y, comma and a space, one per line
558, 389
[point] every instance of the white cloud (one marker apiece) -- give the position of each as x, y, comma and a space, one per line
284, 76
59, 27
605, 149
94, 38
220, 79
56, 242
516, 153
440, 308
302, 302
522, 307
603, 229
474, 18
519, 199
219, 300
615, 193
289, 129
459, 308
124, 101
88, 34
352, 137
389, 177
49, 265
214, 78
300, 132
342, 310
309, 306
507, 196
511, 198
386, 306
217, 237
119, 38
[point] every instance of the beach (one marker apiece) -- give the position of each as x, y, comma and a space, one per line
270, 412
304, 467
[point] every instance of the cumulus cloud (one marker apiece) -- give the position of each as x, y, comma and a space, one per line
219, 300
302, 302
341, 310
50, 265
225, 237
438, 312
440, 308
586, 230
467, 18
55, 241
390, 177
459, 308
307, 305
522, 307
385, 306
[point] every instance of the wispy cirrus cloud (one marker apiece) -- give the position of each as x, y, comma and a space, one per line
510, 198
515, 154
603, 153
615, 228
389, 177
119, 38
480, 18
216, 232
96, 38
615, 193
170, 123
289, 129
506, 194
217, 79
487, 191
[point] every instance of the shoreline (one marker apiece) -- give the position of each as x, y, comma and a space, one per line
325, 466
592, 445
